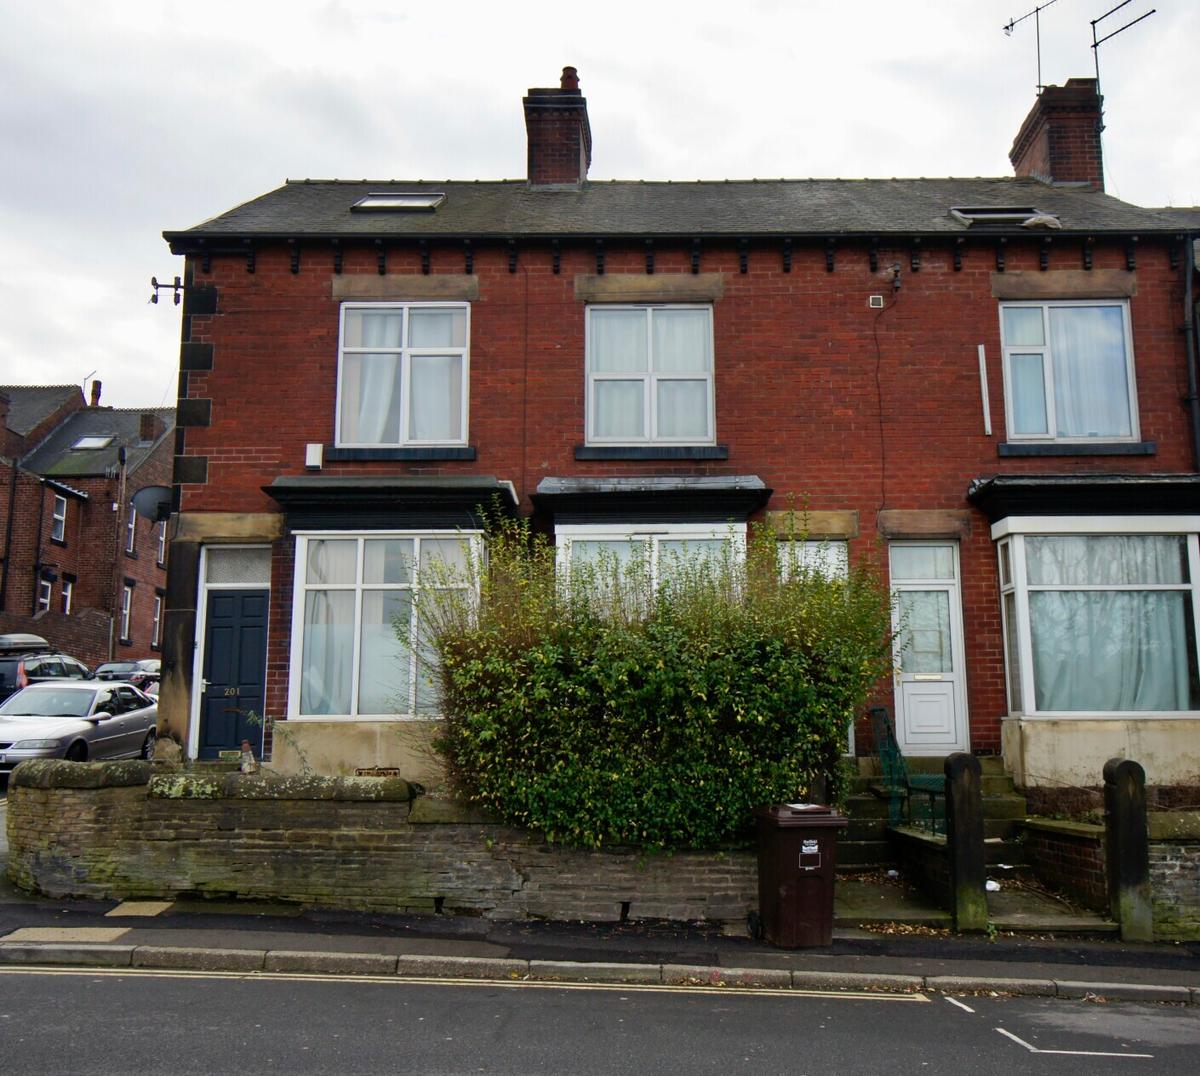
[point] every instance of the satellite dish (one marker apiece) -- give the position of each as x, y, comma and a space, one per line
153, 502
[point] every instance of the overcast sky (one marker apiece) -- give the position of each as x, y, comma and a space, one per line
120, 119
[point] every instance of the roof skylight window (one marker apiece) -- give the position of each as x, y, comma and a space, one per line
400, 202
93, 441
972, 215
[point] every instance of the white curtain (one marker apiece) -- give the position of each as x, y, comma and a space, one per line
383, 667
618, 409
371, 382
435, 387
1028, 394
1111, 650
328, 652
1091, 388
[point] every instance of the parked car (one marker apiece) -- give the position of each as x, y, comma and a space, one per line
77, 721
29, 659
133, 672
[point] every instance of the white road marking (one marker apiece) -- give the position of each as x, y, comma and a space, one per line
955, 1001
401, 980
1070, 1053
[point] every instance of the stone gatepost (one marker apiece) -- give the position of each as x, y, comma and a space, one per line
1127, 849
964, 842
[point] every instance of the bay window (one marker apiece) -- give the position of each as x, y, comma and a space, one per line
647, 553
357, 646
650, 375
402, 374
1099, 623
1068, 371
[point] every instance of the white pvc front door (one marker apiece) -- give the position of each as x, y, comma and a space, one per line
931, 698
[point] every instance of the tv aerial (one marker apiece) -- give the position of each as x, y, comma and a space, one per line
1097, 42
1036, 15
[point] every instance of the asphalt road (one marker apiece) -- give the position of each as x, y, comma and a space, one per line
119, 1021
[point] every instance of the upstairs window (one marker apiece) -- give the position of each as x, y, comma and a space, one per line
58, 520
160, 553
402, 374
1068, 370
650, 375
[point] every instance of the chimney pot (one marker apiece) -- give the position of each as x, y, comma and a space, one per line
95, 393
570, 80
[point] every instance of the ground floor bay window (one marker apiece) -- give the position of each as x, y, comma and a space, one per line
1100, 615
357, 646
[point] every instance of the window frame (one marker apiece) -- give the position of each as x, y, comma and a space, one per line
156, 622
567, 533
1051, 435
160, 556
650, 379
405, 352
131, 529
126, 612
58, 520
300, 587
68, 594
45, 595
1009, 535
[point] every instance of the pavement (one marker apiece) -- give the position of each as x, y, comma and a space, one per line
886, 939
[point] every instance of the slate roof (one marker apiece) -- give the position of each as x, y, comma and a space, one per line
31, 405
55, 458
816, 207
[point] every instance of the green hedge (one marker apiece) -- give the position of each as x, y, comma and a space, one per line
603, 710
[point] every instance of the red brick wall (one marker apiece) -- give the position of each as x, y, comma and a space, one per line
1071, 863
804, 397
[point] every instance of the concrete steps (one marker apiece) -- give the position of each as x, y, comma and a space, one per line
863, 846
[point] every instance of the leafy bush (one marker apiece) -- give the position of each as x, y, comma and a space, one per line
602, 709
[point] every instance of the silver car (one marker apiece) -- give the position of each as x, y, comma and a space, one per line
76, 721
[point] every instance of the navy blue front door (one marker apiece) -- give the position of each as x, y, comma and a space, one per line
235, 671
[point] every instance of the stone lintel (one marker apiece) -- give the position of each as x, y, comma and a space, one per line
925, 523
213, 527
1065, 284
642, 288
816, 525
406, 287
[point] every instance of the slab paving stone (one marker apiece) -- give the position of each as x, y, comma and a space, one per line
1124, 991
67, 934
330, 963
462, 967
196, 959
581, 972
965, 984
50, 953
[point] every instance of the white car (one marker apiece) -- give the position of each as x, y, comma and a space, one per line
77, 721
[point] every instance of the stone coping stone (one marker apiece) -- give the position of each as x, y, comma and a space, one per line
913, 835
1088, 830
964, 984
427, 810
63, 953
197, 959
330, 963
183, 785
578, 972
1124, 991
58, 773
462, 967
1173, 825
857, 980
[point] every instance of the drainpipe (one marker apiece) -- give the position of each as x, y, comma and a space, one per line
8, 533
37, 549
1189, 334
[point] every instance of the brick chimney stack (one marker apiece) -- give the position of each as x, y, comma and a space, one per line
149, 427
560, 137
1060, 139
95, 393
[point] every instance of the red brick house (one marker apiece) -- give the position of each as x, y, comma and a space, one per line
982, 382
79, 567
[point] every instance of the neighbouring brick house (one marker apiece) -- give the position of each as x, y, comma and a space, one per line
79, 567
983, 383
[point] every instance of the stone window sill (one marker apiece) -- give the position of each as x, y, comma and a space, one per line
652, 452
1100, 448
422, 454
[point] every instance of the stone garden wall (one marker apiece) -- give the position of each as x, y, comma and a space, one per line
129, 829
1175, 873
